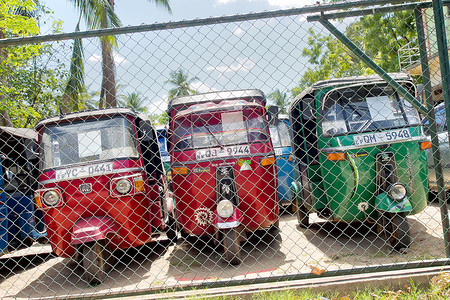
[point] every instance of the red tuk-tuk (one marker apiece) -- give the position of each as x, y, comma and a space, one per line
101, 186
223, 166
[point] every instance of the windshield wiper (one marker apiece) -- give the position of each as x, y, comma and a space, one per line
214, 136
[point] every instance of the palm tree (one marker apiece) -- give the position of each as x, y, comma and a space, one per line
100, 14
75, 84
182, 84
280, 99
135, 101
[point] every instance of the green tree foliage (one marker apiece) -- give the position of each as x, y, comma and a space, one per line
134, 101
280, 99
182, 84
28, 85
379, 36
72, 98
160, 119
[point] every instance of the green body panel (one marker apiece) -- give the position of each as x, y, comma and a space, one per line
346, 185
348, 188
384, 203
319, 199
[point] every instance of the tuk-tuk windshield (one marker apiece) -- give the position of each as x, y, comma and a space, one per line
365, 108
220, 128
280, 135
92, 140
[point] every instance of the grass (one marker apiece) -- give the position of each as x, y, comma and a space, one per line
439, 288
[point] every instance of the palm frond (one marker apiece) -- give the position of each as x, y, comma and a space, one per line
162, 3
75, 84
97, 13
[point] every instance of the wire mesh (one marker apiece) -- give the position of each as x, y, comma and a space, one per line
186, 177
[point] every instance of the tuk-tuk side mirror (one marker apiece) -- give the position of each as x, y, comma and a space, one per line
272, 114
35, 150
145, 131
141, 134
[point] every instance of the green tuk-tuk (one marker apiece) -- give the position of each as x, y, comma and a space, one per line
359, 149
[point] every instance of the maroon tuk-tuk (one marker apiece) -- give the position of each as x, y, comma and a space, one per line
223, 166
101, 186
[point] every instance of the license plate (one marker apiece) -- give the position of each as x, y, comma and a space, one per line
84, 171
227, 151
381, 137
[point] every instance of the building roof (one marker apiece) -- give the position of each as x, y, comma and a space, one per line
27, 133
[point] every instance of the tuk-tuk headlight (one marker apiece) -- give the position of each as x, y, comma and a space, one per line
225, 208
123, 186
397, 191
51, 198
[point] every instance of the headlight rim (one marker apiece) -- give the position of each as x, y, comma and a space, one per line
45, 198
124, 191
220, 208
394, 186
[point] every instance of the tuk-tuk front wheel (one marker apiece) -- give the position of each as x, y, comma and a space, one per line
171, 231
231, 246
97, 260
302, 216
396, 228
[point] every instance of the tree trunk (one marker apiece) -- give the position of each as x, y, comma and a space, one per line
4, 116
65, 106
108, 92
108, 89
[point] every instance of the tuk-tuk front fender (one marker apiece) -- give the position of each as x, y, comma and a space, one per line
92, 229
385, 203
296, 189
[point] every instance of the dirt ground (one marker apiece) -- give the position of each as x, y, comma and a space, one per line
36, 273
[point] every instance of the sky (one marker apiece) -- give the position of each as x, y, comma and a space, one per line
145, 12
263, 54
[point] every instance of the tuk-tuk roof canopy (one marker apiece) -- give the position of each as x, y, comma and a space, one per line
347, 81
216, 106
216, 96
98, 113
26, 133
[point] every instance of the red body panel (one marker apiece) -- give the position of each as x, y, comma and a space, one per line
93, 229
195, 193
131, 215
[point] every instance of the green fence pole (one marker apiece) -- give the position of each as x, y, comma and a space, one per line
443, 53
418, 13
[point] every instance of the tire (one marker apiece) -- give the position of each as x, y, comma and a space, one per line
43, 240
231, 246
171, 231
396, 227
97, 260
302, 216
275, 226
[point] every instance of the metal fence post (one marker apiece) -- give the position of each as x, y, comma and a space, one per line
433, 129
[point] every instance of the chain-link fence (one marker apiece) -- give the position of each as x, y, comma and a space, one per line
231, 150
